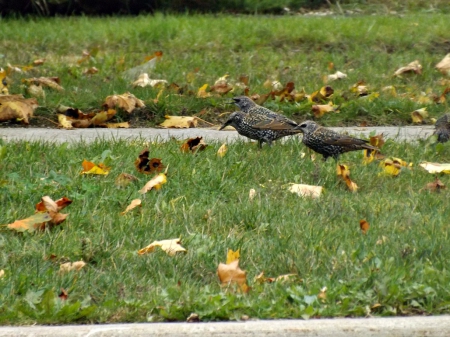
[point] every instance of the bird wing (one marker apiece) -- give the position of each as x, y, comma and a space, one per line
277, 122
331, 137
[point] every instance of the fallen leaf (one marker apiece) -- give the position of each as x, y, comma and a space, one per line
179, 122
321, 95
124, 125
2, 273
36, 91
321, 109
201, 93
344, 172
436, 185
156, 182
436, 167
231, 273
145, 165
377, 141
221, 85
3, 82
171, 247
50, 82
133, 204
91, 168
419, 115
71, 266
126, 101
233, 255
336, 76
193, 318
145, 81
124, 179
444, 65
260, 278
251, 194
31, 223
103, 116
322, 295
391, 167
364, 226
63, 295
17, 107
90, 71
360, 88
65, 121
47, 204
306, 190
194, 145
222, 150
413, 67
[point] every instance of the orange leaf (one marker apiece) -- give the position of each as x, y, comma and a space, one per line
364, 226
193, 145
91, 168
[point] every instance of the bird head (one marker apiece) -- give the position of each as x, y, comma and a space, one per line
234, 118
307, 127
243, 102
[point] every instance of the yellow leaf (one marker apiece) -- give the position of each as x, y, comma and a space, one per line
179, 122
91, 168
336, 76
124, 125
320, 109
31, 223
306, 190
444, 65
419, 115
65, 121
344, 172
126, 101
231, 273
201, 93
71, 266
222, 150
134, 203
436, 167
171, 247
3, 83
17, 107
156, 182
391, 168
232, 256
103, 116
36, 91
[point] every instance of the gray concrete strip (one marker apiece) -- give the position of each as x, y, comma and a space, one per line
436, 326
89, 135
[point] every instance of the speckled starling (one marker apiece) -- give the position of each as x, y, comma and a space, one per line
248, 106
442, 126
328, 142
244, 125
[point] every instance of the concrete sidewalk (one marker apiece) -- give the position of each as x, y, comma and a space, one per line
436, 326
89, 135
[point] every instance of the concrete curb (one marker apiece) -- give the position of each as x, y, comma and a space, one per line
349, 327
89, 135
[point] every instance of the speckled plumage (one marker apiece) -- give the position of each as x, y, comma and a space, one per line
266, 116
442, 128
244, 125
328, 142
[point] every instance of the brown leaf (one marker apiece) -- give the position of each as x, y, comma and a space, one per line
126, 101
444, 65
17, 107
47, 204
435, 186
231, 273
364, 226
124, 179
377, 141
50, 82
413, 67
193, 145
90, 71
145, 165
344, 172
63, 295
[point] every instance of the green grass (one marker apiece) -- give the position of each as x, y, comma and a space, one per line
398, 268
285, 48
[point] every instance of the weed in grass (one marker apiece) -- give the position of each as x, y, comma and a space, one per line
397, 267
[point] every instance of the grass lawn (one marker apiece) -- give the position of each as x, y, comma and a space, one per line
197, 50
398, 268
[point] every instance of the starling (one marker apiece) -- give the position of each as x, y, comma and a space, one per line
442, 128
244, 125
248, 106
328, 142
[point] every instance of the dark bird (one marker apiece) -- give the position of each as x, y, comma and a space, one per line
267, 116
244, 125
442, 128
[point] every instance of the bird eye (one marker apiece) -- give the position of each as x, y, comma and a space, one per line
303, 125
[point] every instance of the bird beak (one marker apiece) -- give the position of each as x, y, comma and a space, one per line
224, 125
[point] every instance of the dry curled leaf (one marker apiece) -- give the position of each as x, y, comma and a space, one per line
31, 223
91, 168
17, 107
193, 145
171, 247
126, 101
124, 179
147, 166
306, 190
145, 81
413, 67
50, 82
155, 183
436, 186
133, 204
419, 115
364, 226
444, 65
321, 109
71, 266
336, 76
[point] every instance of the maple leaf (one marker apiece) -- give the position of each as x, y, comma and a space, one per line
145, 165
222, 150
91, 168
413, 67
179, 122
133, 204
31, 223
17, 107
364, 226
124, 179
193, 145
436, 167
171, 247
231, 273
145, 81
155, 183
344, 172
71, 266
306, 190
126, 101
444, 65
